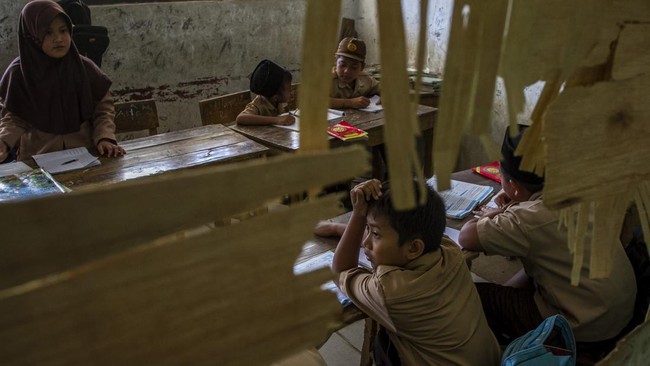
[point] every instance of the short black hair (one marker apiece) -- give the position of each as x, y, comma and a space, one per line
267, 78
425, 222
510, 162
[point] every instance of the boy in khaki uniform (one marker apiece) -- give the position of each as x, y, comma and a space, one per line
351, 87
272, 84
597, 309
420, 290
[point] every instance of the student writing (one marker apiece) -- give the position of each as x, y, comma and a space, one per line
51, 98
351, 86
272, 84
523, 227
420, 290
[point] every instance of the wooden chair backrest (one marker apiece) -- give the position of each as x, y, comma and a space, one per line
136, 116
293, 101
223, 108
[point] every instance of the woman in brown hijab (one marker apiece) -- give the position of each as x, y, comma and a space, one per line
52, 98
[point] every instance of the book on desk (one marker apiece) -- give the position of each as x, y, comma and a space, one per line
332, 115
324, 260
462, 198
30, 184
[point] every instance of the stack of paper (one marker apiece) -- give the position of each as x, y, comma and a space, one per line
15, 167
332, 115
66, 160
462, 198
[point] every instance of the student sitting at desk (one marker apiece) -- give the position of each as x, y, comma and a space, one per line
351, 87
523, 227
272, 84
51, 98
420, 290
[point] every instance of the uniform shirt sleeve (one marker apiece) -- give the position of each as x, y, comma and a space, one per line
366, 292
503, 234
12, 128
251, 108
374, 87
104, 119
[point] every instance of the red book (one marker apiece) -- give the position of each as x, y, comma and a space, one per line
345, 131
490, 170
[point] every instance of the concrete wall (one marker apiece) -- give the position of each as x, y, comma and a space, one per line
438, 28
180, 53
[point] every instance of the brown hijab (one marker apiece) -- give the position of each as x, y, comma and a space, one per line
53, 95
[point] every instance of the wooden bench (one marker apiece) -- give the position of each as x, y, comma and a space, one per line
136, 116
224, 108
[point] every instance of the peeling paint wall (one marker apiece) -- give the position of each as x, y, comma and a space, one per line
180, 53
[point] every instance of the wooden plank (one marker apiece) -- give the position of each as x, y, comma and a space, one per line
632, 57
221, 298
224, 108
632, 350
596, 137
136, 116
104, 220
321, 22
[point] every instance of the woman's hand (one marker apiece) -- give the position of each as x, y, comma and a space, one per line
362, 193
110, 149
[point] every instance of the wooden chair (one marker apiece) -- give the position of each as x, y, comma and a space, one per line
293, 101
223, 108
136, 116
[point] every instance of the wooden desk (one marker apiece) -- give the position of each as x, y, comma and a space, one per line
285, 140
206, 145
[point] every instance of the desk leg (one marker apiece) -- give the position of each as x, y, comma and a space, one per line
369, 332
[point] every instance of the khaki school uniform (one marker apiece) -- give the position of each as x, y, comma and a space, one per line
261, 106
430, 309
364, 86
14, 129
597, 309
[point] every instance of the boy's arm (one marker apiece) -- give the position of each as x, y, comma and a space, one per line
255, 119
346, 255
468, 236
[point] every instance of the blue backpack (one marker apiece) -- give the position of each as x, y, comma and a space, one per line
551, 343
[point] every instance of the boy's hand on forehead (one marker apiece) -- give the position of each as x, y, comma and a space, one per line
362, 193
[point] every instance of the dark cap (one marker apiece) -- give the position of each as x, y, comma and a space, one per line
510, 163
267, 78
353, 48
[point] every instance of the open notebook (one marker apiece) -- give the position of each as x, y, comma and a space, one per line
324, 260
332, 115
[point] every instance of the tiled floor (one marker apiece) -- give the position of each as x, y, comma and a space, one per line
343, 348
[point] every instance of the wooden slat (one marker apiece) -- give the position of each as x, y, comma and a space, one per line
401, 121
596, 139
83, 225
136, 116
632, 57
321, 23
216, 299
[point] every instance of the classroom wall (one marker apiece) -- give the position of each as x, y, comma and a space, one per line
438, 28
180, 53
